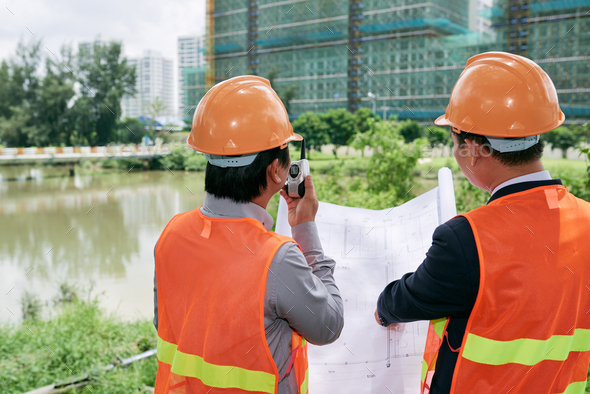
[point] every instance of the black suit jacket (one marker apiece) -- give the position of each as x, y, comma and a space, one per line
444, 285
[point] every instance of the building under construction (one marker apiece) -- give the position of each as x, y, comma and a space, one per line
398, 57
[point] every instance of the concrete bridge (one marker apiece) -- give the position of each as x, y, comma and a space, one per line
73, 154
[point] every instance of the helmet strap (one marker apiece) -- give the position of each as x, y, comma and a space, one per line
231, 161
505, 145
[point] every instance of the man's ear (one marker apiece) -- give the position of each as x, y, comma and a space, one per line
474, 150
272, 171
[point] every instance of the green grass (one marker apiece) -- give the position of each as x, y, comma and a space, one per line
78, 339
324, 163
554, 166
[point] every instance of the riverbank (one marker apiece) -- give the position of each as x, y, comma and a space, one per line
339, 180
78, 338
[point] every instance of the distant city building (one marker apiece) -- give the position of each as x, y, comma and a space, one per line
154, 78
191, 54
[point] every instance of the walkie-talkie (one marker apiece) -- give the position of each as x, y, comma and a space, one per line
298, 171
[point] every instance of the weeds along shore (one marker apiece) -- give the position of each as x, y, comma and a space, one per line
72, 337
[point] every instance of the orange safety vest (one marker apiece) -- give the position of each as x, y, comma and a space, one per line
211, 282
529, 330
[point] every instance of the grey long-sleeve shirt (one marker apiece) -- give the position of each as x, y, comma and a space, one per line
300, 293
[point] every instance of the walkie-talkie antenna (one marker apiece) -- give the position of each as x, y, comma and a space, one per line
302, 149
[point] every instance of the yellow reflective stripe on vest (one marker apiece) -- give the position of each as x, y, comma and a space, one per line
424, 371
575, 388
304, 386
221, 376
525, 351
439, 326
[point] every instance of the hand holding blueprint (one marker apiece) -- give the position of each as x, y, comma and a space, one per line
371, 249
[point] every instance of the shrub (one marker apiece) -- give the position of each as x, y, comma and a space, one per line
31, 306
182, 158
468, 197
121, 164
67, 294
175, 160
79, 339
196, 162
393, 162
385, 180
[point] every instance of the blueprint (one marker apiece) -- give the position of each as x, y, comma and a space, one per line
371, 249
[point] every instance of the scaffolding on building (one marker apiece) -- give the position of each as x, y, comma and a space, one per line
209, 47
407, 54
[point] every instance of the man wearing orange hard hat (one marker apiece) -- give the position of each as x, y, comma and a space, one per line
506, 286
236, 302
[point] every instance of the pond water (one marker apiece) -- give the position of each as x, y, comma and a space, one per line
96, 231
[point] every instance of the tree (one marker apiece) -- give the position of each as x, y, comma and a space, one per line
25, 79
42, 108
562, 138
341, 127
19, 107
364, 119
361, 119
312, 127
579, 186
19, 129
585, 131
155, 109
104, 77
410, 130
438, 136
392, 164
130, 130
56, 93
83, 122
5, 85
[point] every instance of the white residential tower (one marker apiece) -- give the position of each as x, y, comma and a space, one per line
191, 53
154, 78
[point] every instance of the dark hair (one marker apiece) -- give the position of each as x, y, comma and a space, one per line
242, 184
509, 159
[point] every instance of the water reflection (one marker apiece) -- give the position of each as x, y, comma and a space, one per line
94, 227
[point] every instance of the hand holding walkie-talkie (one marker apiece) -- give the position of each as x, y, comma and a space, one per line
298, 171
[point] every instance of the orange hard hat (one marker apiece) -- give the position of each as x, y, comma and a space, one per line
239, 116
500, 94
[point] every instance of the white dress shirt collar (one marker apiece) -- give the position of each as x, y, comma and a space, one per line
226, 208
534, 176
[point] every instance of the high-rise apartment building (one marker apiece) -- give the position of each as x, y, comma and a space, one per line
154, 78
191, 54
407, 54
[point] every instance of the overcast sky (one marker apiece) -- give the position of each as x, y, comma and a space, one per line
140, 25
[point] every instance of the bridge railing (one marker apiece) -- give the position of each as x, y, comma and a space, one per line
74, 152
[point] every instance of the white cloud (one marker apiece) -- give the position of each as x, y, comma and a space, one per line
140, 25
